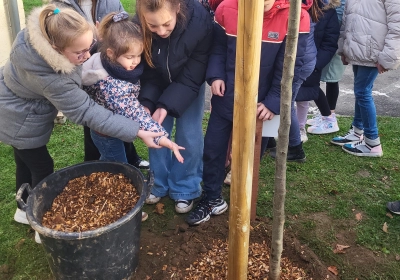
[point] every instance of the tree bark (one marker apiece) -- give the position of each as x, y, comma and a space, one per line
283, 136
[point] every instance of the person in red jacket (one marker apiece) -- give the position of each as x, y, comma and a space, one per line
221, 74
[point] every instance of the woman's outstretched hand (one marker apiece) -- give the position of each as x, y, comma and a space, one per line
148, 138
165, 142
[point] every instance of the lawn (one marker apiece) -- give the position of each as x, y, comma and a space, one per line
334, 198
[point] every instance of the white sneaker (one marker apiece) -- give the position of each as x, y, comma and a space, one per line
325, 126
144, 216
303, 135
37, 238
227, 180
144, 164
314, 120
152, 199
20, 217
183, 206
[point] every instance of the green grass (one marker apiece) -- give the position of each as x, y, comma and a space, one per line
323, 196
339, 185
129, 5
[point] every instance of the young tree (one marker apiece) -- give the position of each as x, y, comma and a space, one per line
283, 135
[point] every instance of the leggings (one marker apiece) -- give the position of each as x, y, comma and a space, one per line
332, 94
32, 166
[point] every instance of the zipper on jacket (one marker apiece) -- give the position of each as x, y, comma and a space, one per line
169, 73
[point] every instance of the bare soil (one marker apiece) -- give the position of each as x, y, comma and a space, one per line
200, 252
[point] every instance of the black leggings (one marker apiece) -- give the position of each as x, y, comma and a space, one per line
327, 103
332, 94
32, 166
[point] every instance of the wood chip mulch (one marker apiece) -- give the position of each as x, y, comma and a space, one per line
91, 202
214, 264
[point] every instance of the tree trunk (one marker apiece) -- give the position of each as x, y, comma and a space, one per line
283, 135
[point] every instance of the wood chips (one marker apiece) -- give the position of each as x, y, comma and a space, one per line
214, 264
91, 202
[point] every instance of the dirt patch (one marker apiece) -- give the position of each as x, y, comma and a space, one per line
173, 253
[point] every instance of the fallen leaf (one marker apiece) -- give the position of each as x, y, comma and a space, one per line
389, 215
340, 249
358, 216
159, 208
385, 227
333, 269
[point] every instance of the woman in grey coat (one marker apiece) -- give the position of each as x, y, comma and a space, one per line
43, 75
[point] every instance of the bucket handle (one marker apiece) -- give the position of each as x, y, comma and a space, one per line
21, 203
150, 182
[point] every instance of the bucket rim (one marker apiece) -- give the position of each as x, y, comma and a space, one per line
47, 232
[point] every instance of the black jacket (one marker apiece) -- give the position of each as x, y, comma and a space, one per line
180, 63
326, 35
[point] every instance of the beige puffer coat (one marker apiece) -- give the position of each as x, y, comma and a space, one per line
370, 33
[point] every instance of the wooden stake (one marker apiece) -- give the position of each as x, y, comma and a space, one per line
248, 55
256, 169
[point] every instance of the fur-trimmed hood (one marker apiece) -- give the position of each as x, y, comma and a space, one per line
57, 61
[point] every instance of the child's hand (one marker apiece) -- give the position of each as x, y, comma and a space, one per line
380, 68
148, 138
159, 115
263, 112
344, 59
218, 87
165, 142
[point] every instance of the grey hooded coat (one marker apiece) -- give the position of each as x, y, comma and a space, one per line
36, 82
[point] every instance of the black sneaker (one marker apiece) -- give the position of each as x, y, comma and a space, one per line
394, 207
294, 154
205, 208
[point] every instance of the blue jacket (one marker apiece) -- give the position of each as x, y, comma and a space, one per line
180, 63
222, 60
326, 36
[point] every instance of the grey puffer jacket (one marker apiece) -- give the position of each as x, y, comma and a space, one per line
103, 7
370, 33
36, 82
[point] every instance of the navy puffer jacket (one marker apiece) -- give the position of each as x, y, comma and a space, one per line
326, 35
180, 64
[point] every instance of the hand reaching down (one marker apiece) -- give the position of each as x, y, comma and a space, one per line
148, 138
165, 142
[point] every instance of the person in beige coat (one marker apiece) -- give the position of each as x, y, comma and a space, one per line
370, 41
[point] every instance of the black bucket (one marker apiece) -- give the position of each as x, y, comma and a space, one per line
109, 252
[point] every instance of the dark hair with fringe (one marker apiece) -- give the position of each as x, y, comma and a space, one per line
118, 36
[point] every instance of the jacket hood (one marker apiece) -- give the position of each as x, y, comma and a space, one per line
331, 4
57, 61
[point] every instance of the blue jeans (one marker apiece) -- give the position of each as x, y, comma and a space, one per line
110, 148
181, 180
364, 107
